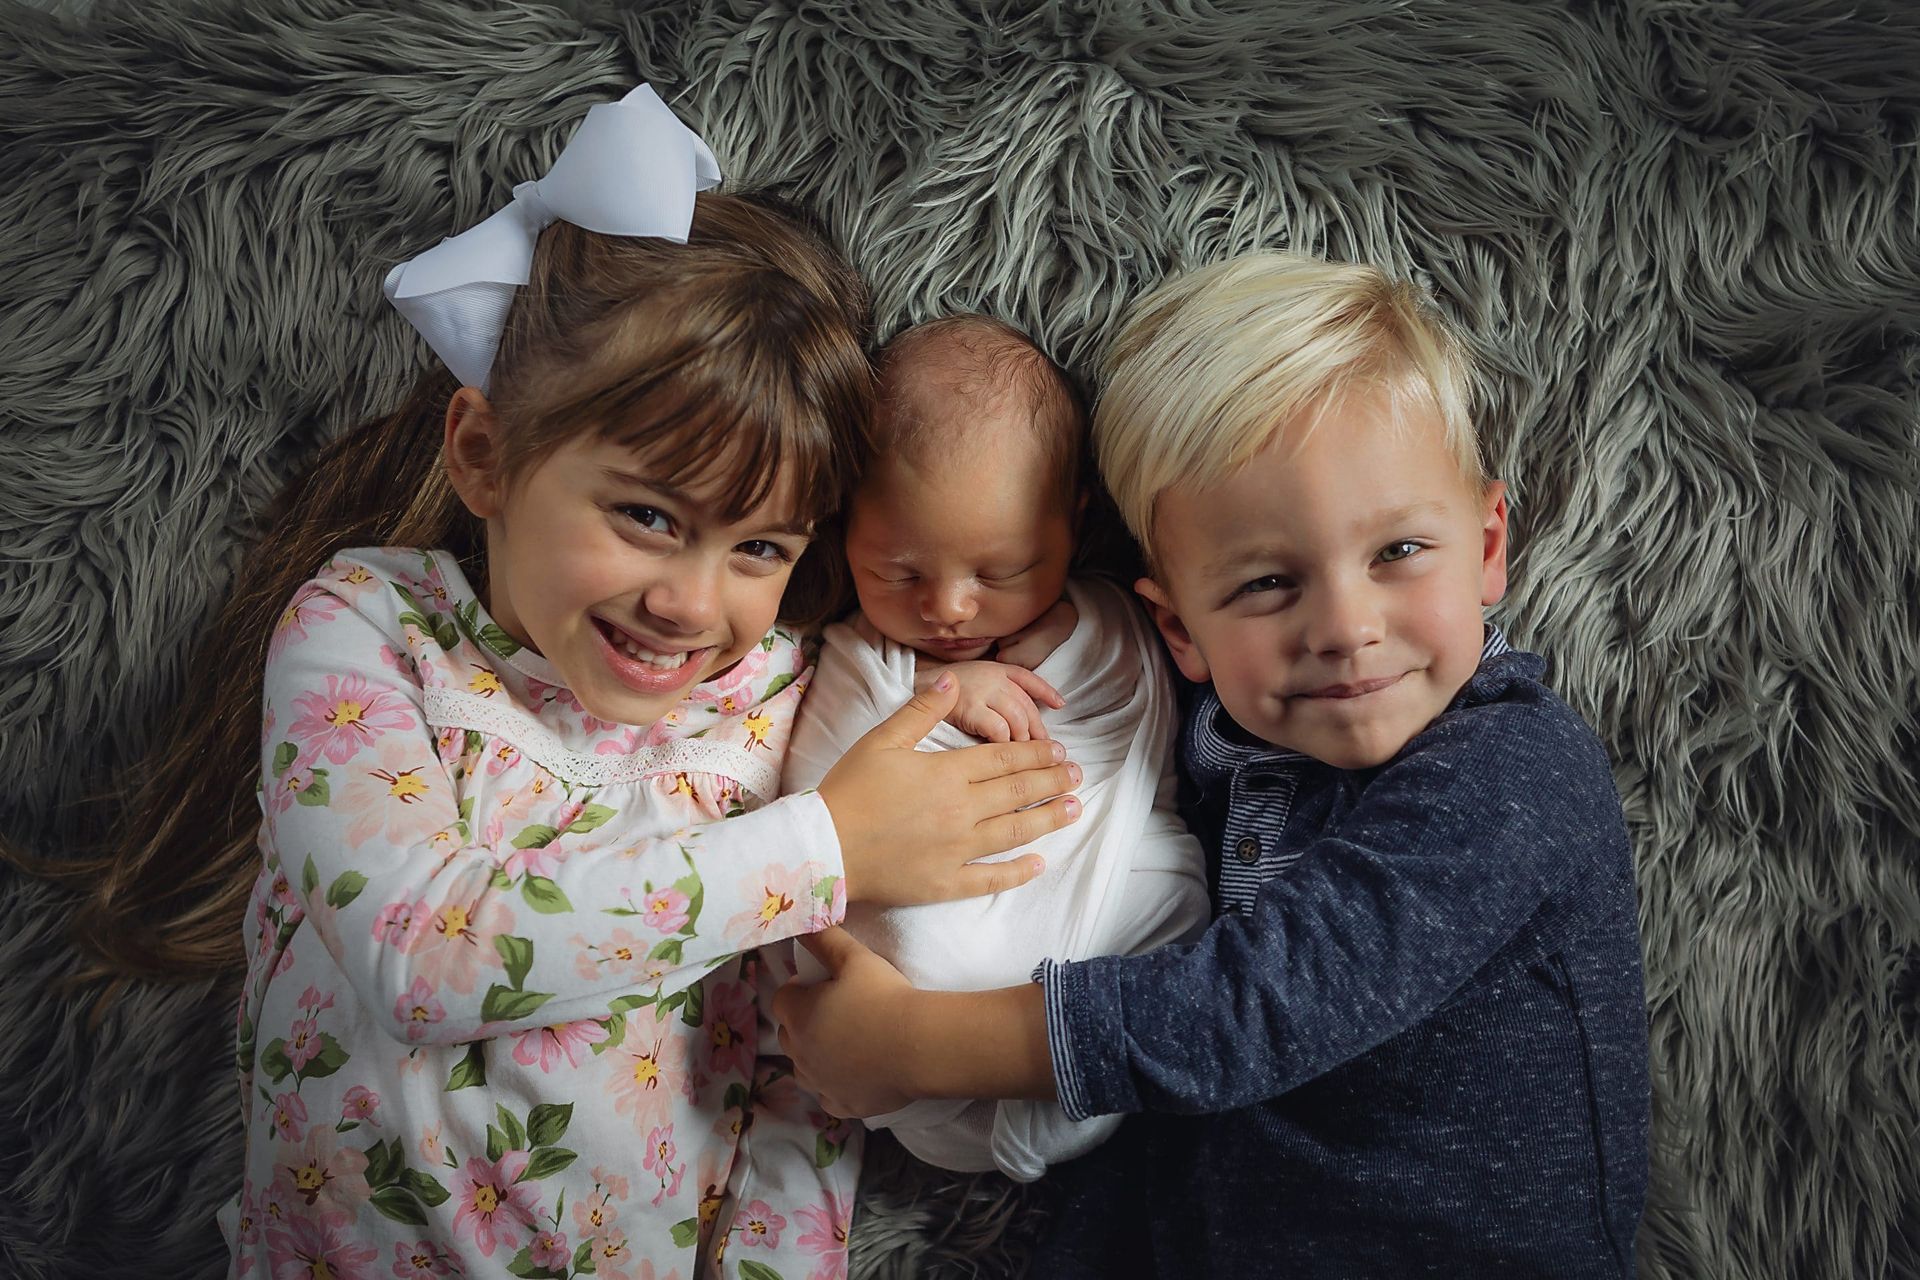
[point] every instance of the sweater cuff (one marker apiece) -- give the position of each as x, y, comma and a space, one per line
1086, 1038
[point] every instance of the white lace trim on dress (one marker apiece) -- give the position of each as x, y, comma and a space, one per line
453, 709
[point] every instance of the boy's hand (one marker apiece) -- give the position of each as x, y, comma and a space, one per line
1033, 644
911, 822
844, 1033
997, 702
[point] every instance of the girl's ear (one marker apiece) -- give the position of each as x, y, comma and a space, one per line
1493, 543
471, 452
1186, 654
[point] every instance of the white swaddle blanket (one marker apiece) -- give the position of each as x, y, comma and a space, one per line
1125, 878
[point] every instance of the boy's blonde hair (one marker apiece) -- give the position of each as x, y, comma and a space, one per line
1213, 364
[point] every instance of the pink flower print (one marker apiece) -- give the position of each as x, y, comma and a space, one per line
612, 1256
391, 796
621, 956
352, 584
348, 716
417, 1010
403, 924
624, 744
773, 892
310, 605
429, 1145
758, 1224
275, 1204
246, 1228
303, 1042
826, 1235
666, 909
328, 1175
644, 1075
501, 756
312, 999
658, 1160
494, 1207
825, 912
421, 1259
594, 1216
459, 942
544, 1047
728, 689
614, 1184
289, 1116
304, 1249
835, 1130
430, 588
360, 1104
728, 1027
534, 860
549, 1249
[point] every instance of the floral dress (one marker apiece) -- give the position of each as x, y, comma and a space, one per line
500, 1013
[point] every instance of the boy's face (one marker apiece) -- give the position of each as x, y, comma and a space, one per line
1331, 589
952, 557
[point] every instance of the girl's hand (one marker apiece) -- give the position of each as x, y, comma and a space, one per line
1034, 643
997, 702
843, 1034
910, 822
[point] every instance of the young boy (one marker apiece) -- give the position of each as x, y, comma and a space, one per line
1413, 1039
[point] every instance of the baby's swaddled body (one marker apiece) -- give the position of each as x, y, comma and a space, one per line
1123, 879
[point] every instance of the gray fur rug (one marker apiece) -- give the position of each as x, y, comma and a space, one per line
1685, 236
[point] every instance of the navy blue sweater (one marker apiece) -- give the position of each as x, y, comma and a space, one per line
1422, 1050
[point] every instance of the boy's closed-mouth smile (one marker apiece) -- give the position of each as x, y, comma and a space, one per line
1356, 690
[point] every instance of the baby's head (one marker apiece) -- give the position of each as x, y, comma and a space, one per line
962, 528
1291, 442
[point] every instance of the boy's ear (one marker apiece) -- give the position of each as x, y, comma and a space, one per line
470, 450
1493, 543
1186, 654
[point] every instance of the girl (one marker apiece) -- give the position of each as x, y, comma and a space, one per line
497, 1019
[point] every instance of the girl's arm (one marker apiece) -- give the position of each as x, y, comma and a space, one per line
451, 934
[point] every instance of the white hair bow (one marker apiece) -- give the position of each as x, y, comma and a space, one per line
630, 169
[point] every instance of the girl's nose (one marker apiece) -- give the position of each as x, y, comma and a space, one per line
948, 604
685, 600
1342, 618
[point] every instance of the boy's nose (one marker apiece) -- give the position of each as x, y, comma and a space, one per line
1342, 619
948, 604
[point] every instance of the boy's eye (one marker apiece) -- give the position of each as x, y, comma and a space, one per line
1398, 550
652, 519
1271, 582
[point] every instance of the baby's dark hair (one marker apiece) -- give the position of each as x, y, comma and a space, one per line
923, 371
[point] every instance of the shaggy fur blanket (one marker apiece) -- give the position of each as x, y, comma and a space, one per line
1684, 236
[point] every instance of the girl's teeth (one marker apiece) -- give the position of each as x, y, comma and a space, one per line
664, 661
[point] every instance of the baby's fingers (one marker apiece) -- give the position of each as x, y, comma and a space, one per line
981, 878
1036, 688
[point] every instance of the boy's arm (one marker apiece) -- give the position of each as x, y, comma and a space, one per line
1454, 848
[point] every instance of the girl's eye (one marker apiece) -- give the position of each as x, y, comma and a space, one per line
761, 549
652, 519
1398, 551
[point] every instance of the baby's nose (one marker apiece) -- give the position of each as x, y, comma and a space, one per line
948, 604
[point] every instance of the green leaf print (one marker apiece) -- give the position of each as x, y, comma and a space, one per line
546, 1162
510, 1125
283, 757
696, 898
823, 887
309, 878
751, 1270
537, 836
544, 896
594, 815
629, 1002
824, 1152
400, 1206
474, 742
547, 1123
775, 685
522, 1265
273, 1061
345, 888
470, 1070
517, 954
696, 1001
499, 641
501, 880
583, 1261
315, 793
736, 1096
384, 1163
504, 1004
668, 949
686, 1231
496, 1144
424, 1187
329, 1060
616, 1032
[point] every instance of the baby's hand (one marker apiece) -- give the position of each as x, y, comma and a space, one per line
1030, 646
997, 702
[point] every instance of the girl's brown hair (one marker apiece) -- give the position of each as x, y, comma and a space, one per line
737, 358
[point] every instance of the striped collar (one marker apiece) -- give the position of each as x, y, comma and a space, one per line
1211, 755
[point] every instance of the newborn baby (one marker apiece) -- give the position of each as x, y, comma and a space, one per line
959, 541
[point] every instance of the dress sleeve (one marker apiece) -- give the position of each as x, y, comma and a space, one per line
448, 939
1452, 849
